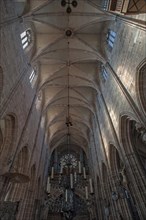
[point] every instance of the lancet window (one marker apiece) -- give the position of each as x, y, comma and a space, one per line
111, 38
25, 38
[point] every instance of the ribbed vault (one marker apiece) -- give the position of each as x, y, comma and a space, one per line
69, 49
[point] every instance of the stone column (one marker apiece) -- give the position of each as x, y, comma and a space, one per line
137, 183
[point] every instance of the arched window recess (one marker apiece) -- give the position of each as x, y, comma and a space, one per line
104, 74
26, 38
33, 76
141, 85
111, 35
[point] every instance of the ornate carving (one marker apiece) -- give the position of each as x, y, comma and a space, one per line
8, 210
141, 131
16, 177
115, 196
124, 180
106, 209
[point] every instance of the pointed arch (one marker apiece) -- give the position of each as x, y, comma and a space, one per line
132, 136
104, 173
125, 122
21, 161
8, 127
99, 198
131, 133
1, 81
20, 6
141, 85
33, 174
114, 159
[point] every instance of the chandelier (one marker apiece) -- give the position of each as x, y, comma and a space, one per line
69, 3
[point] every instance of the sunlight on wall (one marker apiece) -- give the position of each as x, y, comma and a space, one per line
38, 101
2, 126
126, 78
105, 141
114, 118
43, 122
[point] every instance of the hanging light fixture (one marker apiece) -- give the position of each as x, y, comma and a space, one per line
69, 4
74, 4
63, 3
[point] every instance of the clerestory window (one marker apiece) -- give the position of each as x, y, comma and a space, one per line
111, 38
25, 38
32, 76
105, 74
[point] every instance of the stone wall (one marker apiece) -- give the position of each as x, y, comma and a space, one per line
19, 101
119, 98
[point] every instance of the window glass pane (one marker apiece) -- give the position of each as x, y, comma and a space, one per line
32, 77
24, 40
112, 39
105, 74
25, 45
110, 43
113, 33
23, 34
31, 74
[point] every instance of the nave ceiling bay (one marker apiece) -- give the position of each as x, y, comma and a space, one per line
69, 49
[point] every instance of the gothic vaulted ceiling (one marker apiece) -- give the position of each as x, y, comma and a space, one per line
68, 50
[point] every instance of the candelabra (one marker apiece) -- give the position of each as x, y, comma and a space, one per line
67, 181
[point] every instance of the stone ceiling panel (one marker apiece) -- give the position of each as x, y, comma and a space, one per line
68, 50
